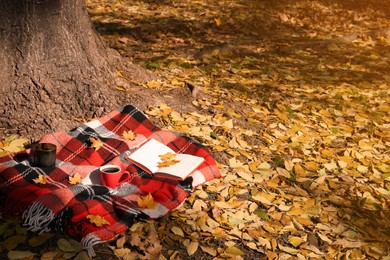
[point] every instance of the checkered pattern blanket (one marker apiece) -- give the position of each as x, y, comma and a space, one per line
60, 206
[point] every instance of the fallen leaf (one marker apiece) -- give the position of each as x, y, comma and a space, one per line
362, 169
234, 251
167, 163
218, 22
20, 254
129, 135
40, 239
147, 202
75, 179
83, 255
13, 241
177, 231
97, 220
192, 247
96, 143
167, 156
121, 252
296, 241
348, 244
41, 179
51, 255
209, 250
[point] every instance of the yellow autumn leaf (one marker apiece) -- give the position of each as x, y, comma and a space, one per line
97, 220
362, 169
147, 202
298, 169
252, 245
41, 179
253, 166
167, 156
154, 84
296, 241
177, 231
295, 211
288, 250
167, 163
218, 22
384, 168
349, 244
129, 135
228, 125
121, 88
96, 143
234, 251
75, 179
119, 73
312, 166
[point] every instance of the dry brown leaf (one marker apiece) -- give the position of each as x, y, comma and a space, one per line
209, 250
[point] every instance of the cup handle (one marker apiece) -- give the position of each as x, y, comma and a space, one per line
124, 178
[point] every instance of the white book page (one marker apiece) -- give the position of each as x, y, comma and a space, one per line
148, 155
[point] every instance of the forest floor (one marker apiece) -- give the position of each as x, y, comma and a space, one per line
292, 98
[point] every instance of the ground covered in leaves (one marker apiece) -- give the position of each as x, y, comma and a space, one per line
293, 100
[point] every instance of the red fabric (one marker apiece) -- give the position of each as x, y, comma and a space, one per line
61, 206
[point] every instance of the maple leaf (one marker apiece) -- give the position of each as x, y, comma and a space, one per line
167, 156
167, 163
97, 220
41, 179
218, 22
75, 179
129, 135
147, 202
96, 143
167, 159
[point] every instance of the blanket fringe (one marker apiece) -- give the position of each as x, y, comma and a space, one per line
37, 217
88, 242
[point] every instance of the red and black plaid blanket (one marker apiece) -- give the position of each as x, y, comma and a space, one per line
57, 205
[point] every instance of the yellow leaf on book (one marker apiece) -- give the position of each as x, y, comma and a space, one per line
75, 179
167, 160
129, 135
147, 202
41, 179
97, 220
167, 163
167, 156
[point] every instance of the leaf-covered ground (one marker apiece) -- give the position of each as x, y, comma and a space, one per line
293, 99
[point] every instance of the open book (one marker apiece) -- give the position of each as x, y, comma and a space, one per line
158, 159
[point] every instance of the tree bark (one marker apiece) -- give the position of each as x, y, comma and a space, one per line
53, 67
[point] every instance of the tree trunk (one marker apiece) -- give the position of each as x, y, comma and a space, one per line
53, 67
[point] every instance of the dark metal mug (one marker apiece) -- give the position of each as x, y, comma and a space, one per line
43, 154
